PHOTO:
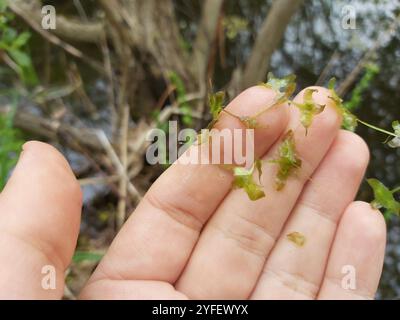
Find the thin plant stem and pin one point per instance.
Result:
(396, 190)
(377, 128)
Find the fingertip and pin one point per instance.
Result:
(43, 198)
(353, 149)
(256, 99)
(42, 151)
(367, 222)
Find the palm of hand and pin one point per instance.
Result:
(194, 237)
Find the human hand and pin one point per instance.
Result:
(192, 236)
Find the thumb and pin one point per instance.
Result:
(39, 224)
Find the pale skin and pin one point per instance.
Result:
(193, 237)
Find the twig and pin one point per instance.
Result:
(335, 56)
(97, 180)
(116, 162)
(121, 213)
(110, 92)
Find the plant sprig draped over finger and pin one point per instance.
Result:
(384, 198)
(216, 102)
(349, 121)
(308, 108)
(287, 160)
(395, 142)
(244, 179)
(284, 87)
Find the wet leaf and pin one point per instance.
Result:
(349, 121)
(283, 86)
(258, 167)
(244, 179)
(249, 122)
(384, 198)
(308, 108)
(395, 142)
(216, 102)
(297, 238)
(287, 160)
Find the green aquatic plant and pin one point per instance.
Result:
(384, 198)
(395, 142)
(287, 161)
(308, 109)
(244, 179)
(297, 238)
(371, 70)
(349, 121)
(216, 103)
(81, 256)
(284, 87)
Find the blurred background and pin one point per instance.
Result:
(112, 70)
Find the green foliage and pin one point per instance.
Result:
(234, 25)
(308, 108)
(244, 179)
(216, 104)
(283, 86)
(288, 161)
(81, 256)
(371, 70)
(395, 142)
(184, 107)
(384, 198)
(10, 146)
(14, 44)
(349, 119)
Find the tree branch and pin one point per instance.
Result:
(206, 35)
(267, 41)
(68, 29)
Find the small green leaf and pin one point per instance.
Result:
(81, 256)
(283, 86)
(349, 121)
(216, 102)
(384, 197)
(249, 122)
(395, 142)
(21, 40)
(308, 108)
(244, 179)
(288, 161)
(297, 238)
